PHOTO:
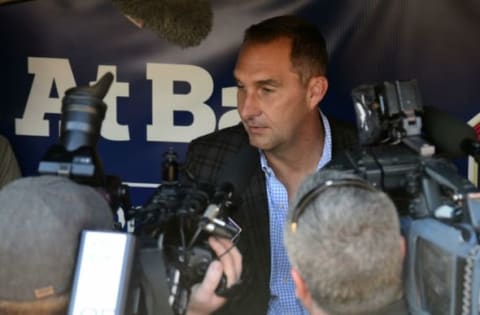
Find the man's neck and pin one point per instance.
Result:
(295, 161)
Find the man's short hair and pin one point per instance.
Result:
(309, 55)
(42, 218)
(347, 244)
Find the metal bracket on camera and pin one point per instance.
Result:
(419, 145)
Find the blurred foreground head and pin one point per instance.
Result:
(343, 239)
(41, 222)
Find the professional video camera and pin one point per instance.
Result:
(76, 155)
(179, 218)
(439, 209)
(152, 270)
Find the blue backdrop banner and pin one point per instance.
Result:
(164, 95)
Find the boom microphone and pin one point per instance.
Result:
(2, 2)
(182, 22)
(450, 135)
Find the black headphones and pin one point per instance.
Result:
(316, 191)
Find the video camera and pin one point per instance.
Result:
(152, 270)
(439, 209)
(76, 155)
(178, 219)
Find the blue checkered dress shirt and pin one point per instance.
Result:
(282, 288)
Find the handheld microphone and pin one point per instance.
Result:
(450, 135)
(231, 182)
(182, 22)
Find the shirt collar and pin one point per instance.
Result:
(326, 152)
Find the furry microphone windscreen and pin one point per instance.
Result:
(182, 22)
(2, 2)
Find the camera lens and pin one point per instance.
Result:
(82, 114)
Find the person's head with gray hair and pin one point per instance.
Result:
(344, 243)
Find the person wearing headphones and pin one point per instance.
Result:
(345, 246)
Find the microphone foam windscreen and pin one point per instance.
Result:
(447, 132)
(41, 221)
(182, 22)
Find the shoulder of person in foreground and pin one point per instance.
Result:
(9, 169)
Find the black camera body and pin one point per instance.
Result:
(179, 218)
(438, 208)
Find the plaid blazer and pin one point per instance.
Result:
(205, 157)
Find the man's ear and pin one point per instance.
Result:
(301, 289)
(317, 88)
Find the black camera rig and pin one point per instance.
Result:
(439, 209)
(168, 252)
(178, 219)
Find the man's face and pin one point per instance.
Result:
(272, 101)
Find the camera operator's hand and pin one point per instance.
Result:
(203, 299)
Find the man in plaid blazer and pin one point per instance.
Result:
(281, 78)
